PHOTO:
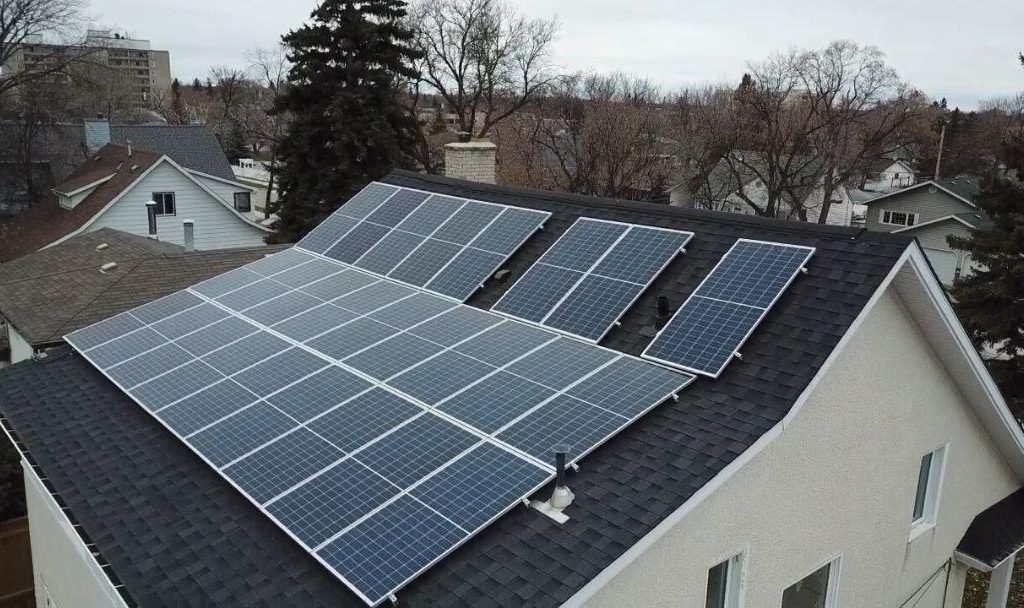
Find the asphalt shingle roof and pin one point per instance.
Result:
(176, 533)
(192, 146)
(997, 532)
(57, 290)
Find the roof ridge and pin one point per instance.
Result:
(806, 229)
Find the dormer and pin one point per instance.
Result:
(72, 192)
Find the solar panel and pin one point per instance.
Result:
(364, 415)
(714, 322)
(591, 276)
(448, 245)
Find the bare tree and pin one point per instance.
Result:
(268, 70)
(860, 107)
(483, 59)
(22, 20)
(595, 135)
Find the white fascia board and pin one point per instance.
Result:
(935, 221)
(229, 182)
(88, 186)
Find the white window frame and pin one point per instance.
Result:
(933, 492)
(912, 218)
(835, 569)
(735, 578)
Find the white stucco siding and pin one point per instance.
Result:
(840, 480)
(62, 567)
(216, 227)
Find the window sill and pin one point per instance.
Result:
(918, 529)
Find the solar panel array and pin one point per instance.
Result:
(379, 425)
(444, 244)
(591, 276)
(709, 328)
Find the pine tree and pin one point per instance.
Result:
(991, 301)
(348, 126)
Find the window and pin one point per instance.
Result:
(816, 590)
(899, 218)
(164, 203)
(926, 496)
(724, 583)
(243, 201)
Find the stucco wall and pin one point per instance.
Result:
(840, 480)
(61, 564)
(216, 227)
(929, 206)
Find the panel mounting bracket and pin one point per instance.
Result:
(393, 598)
(549, 511)
(738, 355)
(575, 467)
(803, 270)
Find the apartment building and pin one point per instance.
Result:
(147, 70)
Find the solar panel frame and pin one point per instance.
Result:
(591, 333)
(449, 344)
(461, 231)
(715, 373)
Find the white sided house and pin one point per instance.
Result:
(221, 210)
(895, 176)
(855, 453)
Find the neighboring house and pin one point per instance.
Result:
(857, 455)
(89, 277)
(720, 191)
(111, 189)
(892, 175)
(932, 211)
(254, 173)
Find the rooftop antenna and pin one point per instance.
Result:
(562, 496)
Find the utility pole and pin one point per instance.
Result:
(938, 158)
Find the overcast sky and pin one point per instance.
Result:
(964, 52)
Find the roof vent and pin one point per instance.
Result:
(562, 496)
(108, 267)
(134, 168)
(502, 275)
(664, 313)
(101, 246)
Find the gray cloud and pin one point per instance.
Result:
(964, 53)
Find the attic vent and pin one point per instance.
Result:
(101, 246)
(108, 267)
(932, 190)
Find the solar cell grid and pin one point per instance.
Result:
(391, 250)
(397, 207)
(240, 433)
(318, 393)
(392, 356)
(495, 401)
(327, 233)
(215, 336)
(356, 242)
(411, 311)
(421, 446)
(188, 321)
(124, 347)
(455, 325)
(366, 201)
(238, 355)
(565, 420)
(425, 262)
(506, 233)
(591, 276)
(279, 371)
(104, 331)
(436, 378)
(504, 343)
(429, 216)
(372, 297)
(206, 407)
(339, 284)
(282, 464)
(229, 281)
(331, 501)
(351, 338)
(480, 484)
(534, 295)
(172, 386)
(314, 322)
(281, 307)
(467, 222)
(278, 262)
(560, 363)
(466, 273)
(362, 419)
(252, 294)
(147, 365)
(390, 547)
(714, 322)
(308, 272)
(166, 306)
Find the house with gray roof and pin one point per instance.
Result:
(932, 211)
(87, 278)
(855, 453)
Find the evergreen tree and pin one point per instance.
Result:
(196, 84)
(991, 301)
(348, 126)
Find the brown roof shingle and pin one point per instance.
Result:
(46, 221)
(60, 289)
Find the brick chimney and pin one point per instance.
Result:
(472, 160)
